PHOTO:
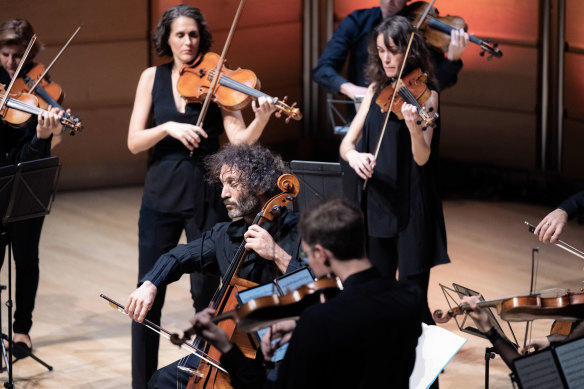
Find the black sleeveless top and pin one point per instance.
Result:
(175, 181)
(401, 198)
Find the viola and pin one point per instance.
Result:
(436, 29)
(526, 308)
(207, 375)
(264, 311)
(233, 91)
(19, 108)
(411, 89)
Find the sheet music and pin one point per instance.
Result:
(436, 347)
(538, 371)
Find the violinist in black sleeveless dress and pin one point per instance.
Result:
(405, 223)
(176, 195)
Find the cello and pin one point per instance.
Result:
(207, 375)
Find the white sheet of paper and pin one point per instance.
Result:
(436, 347)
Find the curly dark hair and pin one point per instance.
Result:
(398, 28)
(162, 32)
(19, 32)
(260, 167)
(337, 225)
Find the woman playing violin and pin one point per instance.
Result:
(176, 194)
(25, 143)
(405, 224)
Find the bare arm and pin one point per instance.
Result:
(362, 163)
(141, 138)
(235, 128)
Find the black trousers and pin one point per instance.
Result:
(25, 237)
(159, 233)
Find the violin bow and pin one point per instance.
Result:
(219, 66)
(560, 243)
(54, 60)
(167, 334)
(17, 72)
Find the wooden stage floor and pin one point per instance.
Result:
(89, 246)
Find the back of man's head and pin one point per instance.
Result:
(260, 167)
(337, 225)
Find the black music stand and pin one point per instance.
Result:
(318, 180)
(490, 352)
(26, 191)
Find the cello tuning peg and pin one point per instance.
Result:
(424, 128)
(431, 109)
(418, 122)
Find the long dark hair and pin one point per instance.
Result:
(162, 32)
(399, 29)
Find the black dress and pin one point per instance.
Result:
(401, 199)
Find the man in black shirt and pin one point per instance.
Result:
(362, 338)
(248, 175)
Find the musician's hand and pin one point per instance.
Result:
(458, 43)
(412, 117)
(49, 123)
(204, 326)
(140, 301)
(352, 91)
(260, 241)
(263, 108)
(277, 336)
(551, 226)
(535, 343)
(188, 134)
(361, 163)
(477, 313)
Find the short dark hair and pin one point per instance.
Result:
(19, 32)
(398, 28)
(337, 225)
(260, 167)
(162, 31)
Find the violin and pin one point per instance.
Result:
(436, 29)
(19, 108)
(234, 90)
(47, 92)
(412, 89)
(207, 375)
(264, 311)
(526, 308)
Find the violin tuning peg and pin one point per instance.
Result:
(287, 120)
(482, 53)
(488, 40)
(278, 114)
(495, 44)
(284, 99)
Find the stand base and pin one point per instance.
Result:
(31, 354)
